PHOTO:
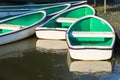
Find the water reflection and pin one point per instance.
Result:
(33, 59)
(87, 67)
(16, 48)
(33, 65)
(89, 70)
(53, 46)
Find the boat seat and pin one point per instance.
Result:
(11, 26)
(66, 20)
(92, 34)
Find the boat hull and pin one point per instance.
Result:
(50, 33)
(90, 54)
(17, 35)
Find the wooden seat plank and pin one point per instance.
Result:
(66, 20)
(92, 34)
(11, 26)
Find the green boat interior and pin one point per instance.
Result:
(55, 23)
(91, 25)
(20, 22)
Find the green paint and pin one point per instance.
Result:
(90, 24)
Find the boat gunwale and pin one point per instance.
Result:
(22, 29)
(91, 47)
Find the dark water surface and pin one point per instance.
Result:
(25, 60)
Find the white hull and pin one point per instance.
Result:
(17, 35)
(50, 33)
(90, 54)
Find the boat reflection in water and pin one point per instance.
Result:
(52, 46)
(15, 49)
(89, 70)
(27, 63)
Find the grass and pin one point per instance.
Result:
(112, 15)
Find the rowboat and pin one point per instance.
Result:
(90, 38)
(56, 27)
(20, 27)
(6, 11)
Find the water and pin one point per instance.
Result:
(32, 59)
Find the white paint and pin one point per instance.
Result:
(90, 54)
(50, 33)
